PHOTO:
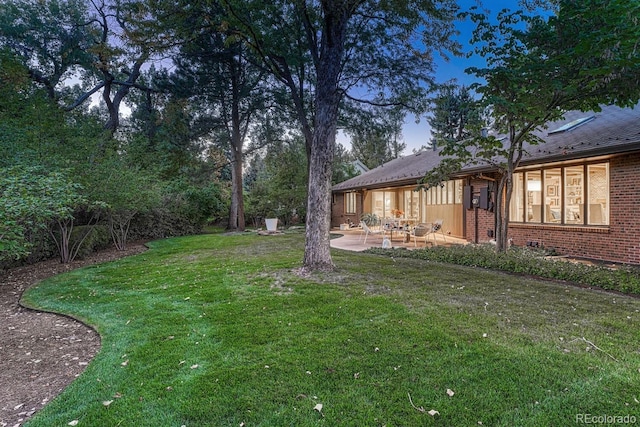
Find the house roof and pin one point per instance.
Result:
(613, 130)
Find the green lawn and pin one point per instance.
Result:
(219, 330)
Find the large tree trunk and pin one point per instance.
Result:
(236, 211)
(503, 198)
(317, 255)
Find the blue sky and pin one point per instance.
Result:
(416, 135)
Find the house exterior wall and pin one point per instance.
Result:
(478, 222)
(338, 214)
(450, 213)
(617, 242)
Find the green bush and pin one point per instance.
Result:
(621, 278)
(183, 210)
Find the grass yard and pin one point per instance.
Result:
(218, 330)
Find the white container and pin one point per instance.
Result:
(272, 224)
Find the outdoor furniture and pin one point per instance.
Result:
(421, 231)
(366, 230)
(436, 227)
(390, 225)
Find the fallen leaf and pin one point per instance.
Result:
(73, 423)
(450, 392)
(433, 413)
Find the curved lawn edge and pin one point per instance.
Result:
(51, 348)
(220, 330)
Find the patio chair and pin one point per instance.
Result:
(366, 230)
(436, 227)
(421, 232)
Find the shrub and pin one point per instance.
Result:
(184, 209)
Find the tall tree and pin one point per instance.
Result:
(53, 38)
(376, 135)
(456, 115)
(341, 49)
(583, 55)
(225, 90)
(76, 49)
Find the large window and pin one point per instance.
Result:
(411, 204)
(553, 195)
(383, 203)
(350, 203)
(558, 195)
(598, 194)
(534, 196)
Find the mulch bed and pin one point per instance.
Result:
(41, 353)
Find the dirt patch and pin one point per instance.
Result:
(41, 353)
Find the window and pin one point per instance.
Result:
(534, 196)
(557, 195)
(598, 194)
(411, 204)
(383, 203)
(350, 203)
(572, 125)
(516, 210)
(574, 195)
(459, 191)
(449, 193)
(552, 195)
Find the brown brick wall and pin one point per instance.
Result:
(485, 218)
(338, 215)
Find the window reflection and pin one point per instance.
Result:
(534, 196)
(557, 195)
(598, 210)
(574, 199)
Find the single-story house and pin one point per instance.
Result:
(579, 192)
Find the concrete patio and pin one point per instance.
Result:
(353, 240)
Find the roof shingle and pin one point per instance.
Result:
(613, 130)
